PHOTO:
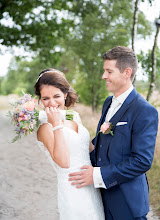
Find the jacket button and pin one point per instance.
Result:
(100, 145)
(100, 159)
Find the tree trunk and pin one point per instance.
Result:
(135, 20)
(134, 29)
(153, 73)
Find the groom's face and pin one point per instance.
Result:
(116, 81)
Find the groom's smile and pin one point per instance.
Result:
(116, 81)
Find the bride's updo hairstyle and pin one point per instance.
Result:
(56, 78)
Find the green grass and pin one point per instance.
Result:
(154, 184)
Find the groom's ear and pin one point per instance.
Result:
(128, 72)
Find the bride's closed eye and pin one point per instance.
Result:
(56, 96)
(44, 98)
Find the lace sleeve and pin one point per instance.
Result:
(77, 118)
(43, 118)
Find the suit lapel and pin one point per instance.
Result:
(116, 118)
(119, 114)
(104, 112)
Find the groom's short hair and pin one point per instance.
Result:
(125, 58)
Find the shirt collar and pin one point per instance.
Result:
(121, 98)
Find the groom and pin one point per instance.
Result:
(121, 161)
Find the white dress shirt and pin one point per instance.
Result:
(114, 107)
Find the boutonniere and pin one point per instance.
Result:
(106, 128)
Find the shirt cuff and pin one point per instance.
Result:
(97, 178)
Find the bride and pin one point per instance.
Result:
(66, 144)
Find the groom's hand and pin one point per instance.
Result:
(82, 178)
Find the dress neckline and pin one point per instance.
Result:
(72, 129)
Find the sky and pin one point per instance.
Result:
(150, 12)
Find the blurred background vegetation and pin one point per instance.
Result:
(72, 37)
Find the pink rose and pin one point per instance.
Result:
(20, 119)
(21, 114)
(29, 106)
(26, 117)
(104, 127)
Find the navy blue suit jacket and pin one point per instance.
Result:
(125, 157)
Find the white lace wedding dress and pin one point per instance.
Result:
(75, 204)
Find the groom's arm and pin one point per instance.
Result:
(143, 145)
(97, 177)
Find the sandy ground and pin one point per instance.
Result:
(27, 180)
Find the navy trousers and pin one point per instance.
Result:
(120, 209)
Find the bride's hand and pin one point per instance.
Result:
(54, 116)
(91, 147)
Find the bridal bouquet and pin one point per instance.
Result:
(24, 116)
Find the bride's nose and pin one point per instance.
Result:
(52, 103)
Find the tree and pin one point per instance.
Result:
(75, 41)
(21, 76)
(38, 26)
(153, 72)
(98, 29)
(135, 24)
(1, 83)
(146, 63)
(135, 21)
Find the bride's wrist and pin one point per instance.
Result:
(57, 127)
(57, 123)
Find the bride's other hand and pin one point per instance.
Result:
(91, 147)
(54, 116)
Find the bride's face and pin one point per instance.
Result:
(52, 97)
